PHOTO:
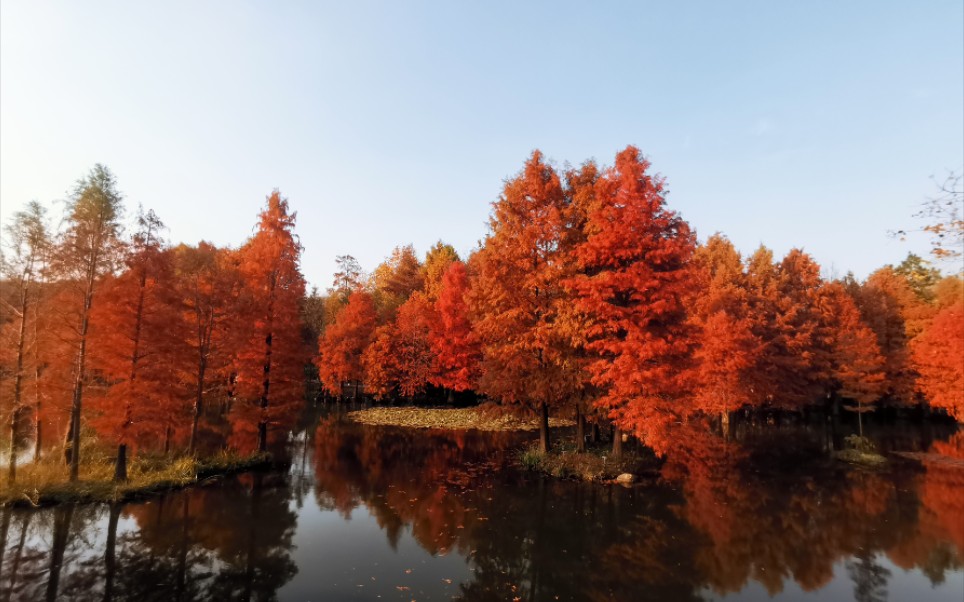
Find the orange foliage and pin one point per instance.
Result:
(857, 365)
(634, 266)
(726, 349)
(518, 296)
(271, 355)
(456, 347)
(793, 366)
(340, 348)
(134, 337)
(939, 356)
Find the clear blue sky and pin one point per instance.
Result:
(811, 124)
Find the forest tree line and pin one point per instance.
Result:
(587, 296)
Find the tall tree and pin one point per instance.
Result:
(518, 295)
(727, 349)
(341, 347)
(207, 281)
(271, 358)
(412, 346)
(938, 354)
(793, 366)
(635, 275)
(131, 331)
(27, 243)
(884, 301)
(88, 249)
(456, 347)
(857, 366)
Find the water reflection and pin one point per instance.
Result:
(367, 512)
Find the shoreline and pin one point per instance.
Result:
(178, 473)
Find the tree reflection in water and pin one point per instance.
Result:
(725, 514)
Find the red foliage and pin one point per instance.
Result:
(635, 275)
(456, 347)
(939, 357)
(340, 348)
(271, 354)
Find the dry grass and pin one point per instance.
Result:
(450, 418)
(46, 482)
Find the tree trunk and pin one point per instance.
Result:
(596, 435)
(617, 442)
(15, 570)
(17, 389)
(450, 397)
(266, 384)
(168, 432)
(62, 519)
(109, 552)
(725, 423)
(544, 443)
(198, 404)
(860, 419)
(79, 377)
(120, 468)
(580, 431)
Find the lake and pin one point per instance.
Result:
(379, 513)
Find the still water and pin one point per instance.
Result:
(372, 513)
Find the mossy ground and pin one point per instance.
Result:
(596, 464)
(46, 482)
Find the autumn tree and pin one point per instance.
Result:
(437, 262)
(341, 347)
(271, 357)
(938, 354)
(87, 250)
(27, 243)
(792, 369)
(635, 275)
(889, 306)
(519, 295)
(206, 284)
(413, 350)
(857, 366)
(132, 330)
(726, 350)
(454, 342)
(395, 279)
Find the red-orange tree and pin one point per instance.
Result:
(857, 367)
(727, 349)
(518, 295)
(792, 369)
(635, 275)
(133, 332)
(340, 348)
(939, 358)
(206, 283)
(271, 354)
(454, 343)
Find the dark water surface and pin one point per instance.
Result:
(371, 513)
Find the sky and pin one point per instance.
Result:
(792, 124)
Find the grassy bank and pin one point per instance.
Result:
(46, 482)
(596, 464)
(451, 418)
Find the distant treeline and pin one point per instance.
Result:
(587, 296)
